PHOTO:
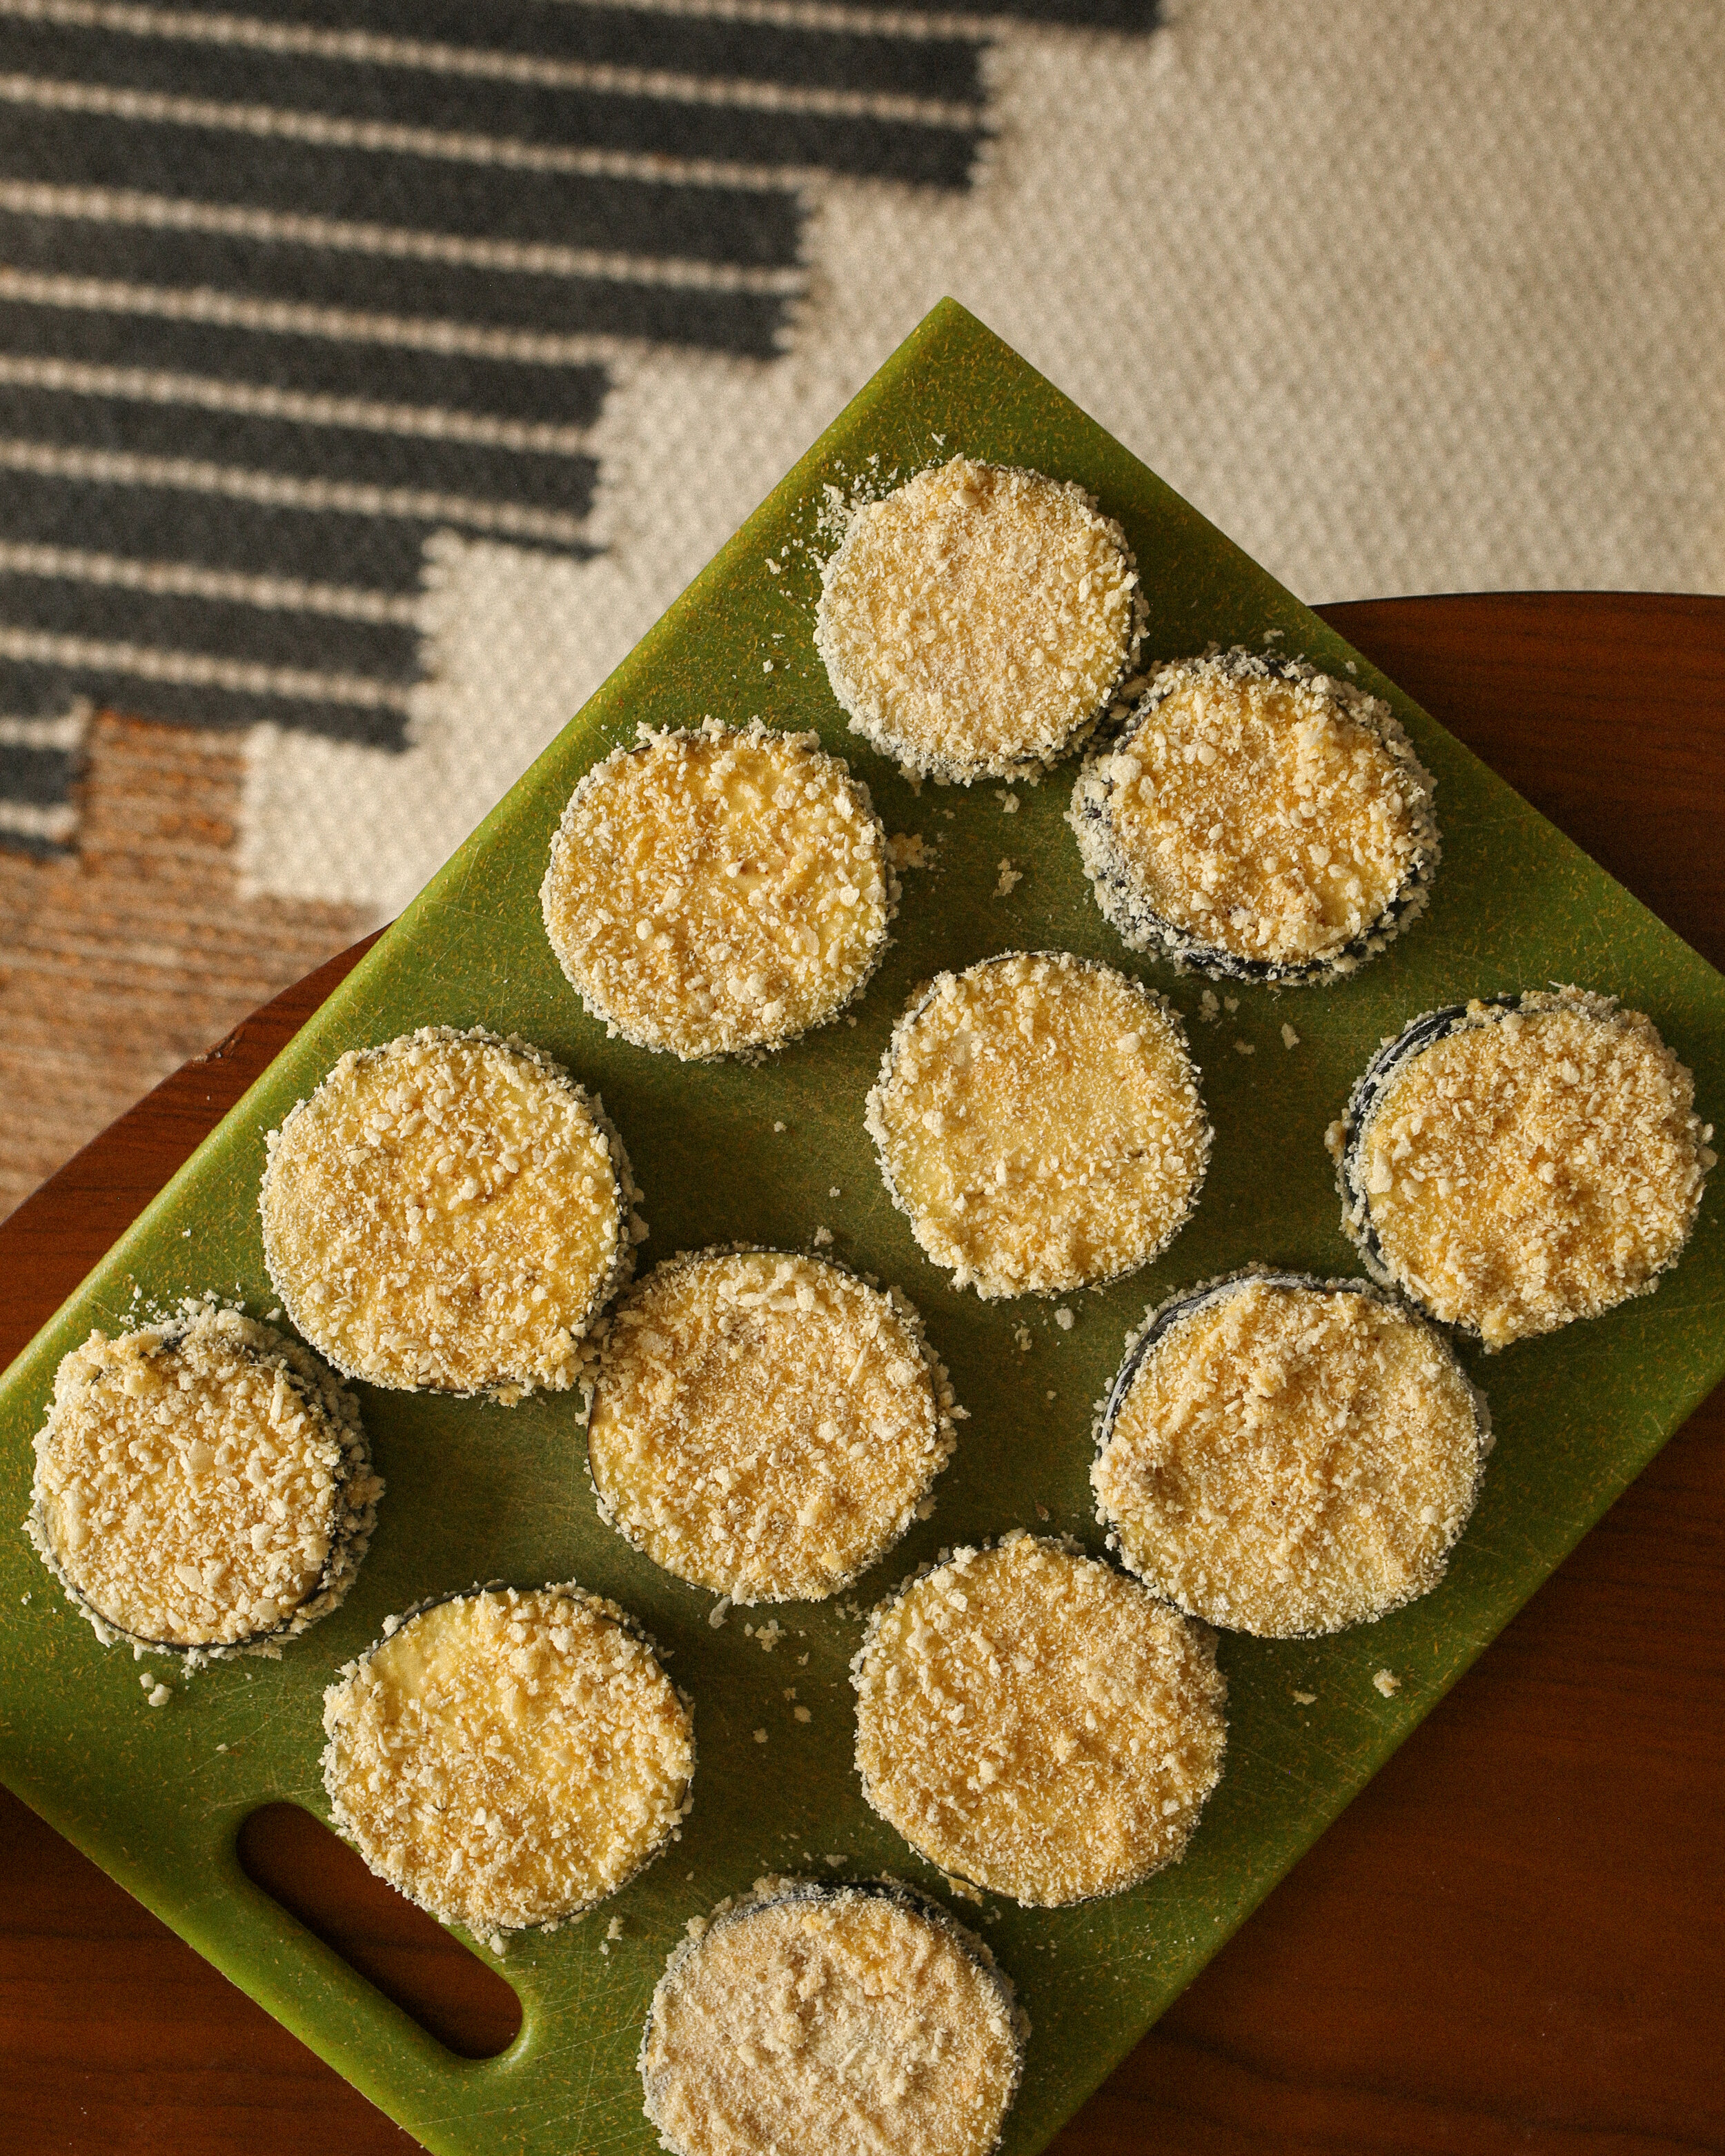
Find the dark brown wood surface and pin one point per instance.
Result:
(1514, 1940)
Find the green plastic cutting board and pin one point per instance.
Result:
(477, 1491)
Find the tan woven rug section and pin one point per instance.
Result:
(120, 961)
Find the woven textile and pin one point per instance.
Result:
(373, 372)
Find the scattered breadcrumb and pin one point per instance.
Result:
(910, 849)
(760, 1736)
(1305, 1699)
(1388, 1682)
(1243, 1048)
(1009, 881)
(1064, 1319)
(822, 1237)
(1290, 1038)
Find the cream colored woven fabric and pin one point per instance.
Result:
(1405, 298)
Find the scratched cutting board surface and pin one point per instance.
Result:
(477, 1491)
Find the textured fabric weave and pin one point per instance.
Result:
(372, 373)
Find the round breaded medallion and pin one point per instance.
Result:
(1257, 820)
(975, 622)
(1037, 1117)
(858, 2019)
(1037, 1722)
(506, 1759)
(763, 1424)
(718, 888)
(1514, 1164)
(448, 1213)
(1288, 1457)
(202, 1485)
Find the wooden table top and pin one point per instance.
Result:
(1513, 1939)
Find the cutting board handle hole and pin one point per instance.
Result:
(406, 1954)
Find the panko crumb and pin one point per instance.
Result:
(203, 1486)
(976, 621)
(450, 1213)
(1008, 880)
(766, 1424)
(1038, 1723)
(811, 2015)
(506, 1760)
(1515, 1165)
(719, 890)
(1258, 818)
(1287, 1456)
(1388, 1682)
(1038, 1118)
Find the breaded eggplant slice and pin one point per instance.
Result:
(1038, 1118)
(858, 2019)
(719, 889)
(1033, 1720)
(203, 1486)
(1287, 1456)
(1257, 820)
(448, 1213)
(976, 622)
(1514, 1163)
(508, 1757)
(765, 1425)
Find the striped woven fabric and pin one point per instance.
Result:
(284, 291)
(373, 372)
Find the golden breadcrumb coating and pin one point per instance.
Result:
(1034, 1721)
(1527, 1165)
(506, 1759)
(1287, 1457)
(830, 2018)
(448, 1213)
(203, 1484)
(975, 622)
(765, 1426)
(719, 889)
(1039, 1120)
(1257, 817)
